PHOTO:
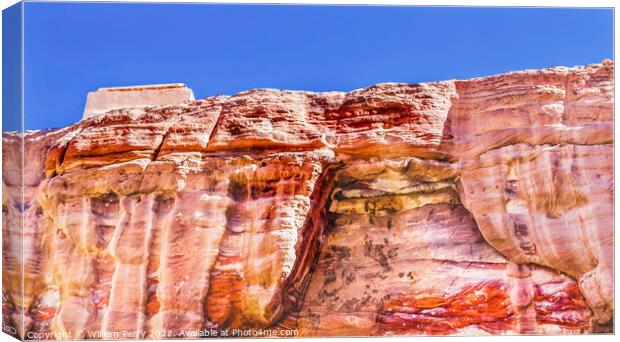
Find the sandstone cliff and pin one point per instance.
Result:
(457, 207)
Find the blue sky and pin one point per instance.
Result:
(71, 49)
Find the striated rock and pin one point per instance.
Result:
(403, 256)
(550, 207)
(482, 206)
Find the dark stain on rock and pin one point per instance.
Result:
(105, 205)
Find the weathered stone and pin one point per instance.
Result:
(482, 206)
(106, 99)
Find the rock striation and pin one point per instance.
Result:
(482, 206)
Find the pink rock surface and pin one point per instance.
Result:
(106, 99)
(481, 206)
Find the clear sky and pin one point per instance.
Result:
(71, 49)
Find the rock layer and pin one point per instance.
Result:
(457, 207)
(404, 256)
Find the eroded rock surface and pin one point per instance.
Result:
(482, 206)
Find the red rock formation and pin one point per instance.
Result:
(458, 207)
